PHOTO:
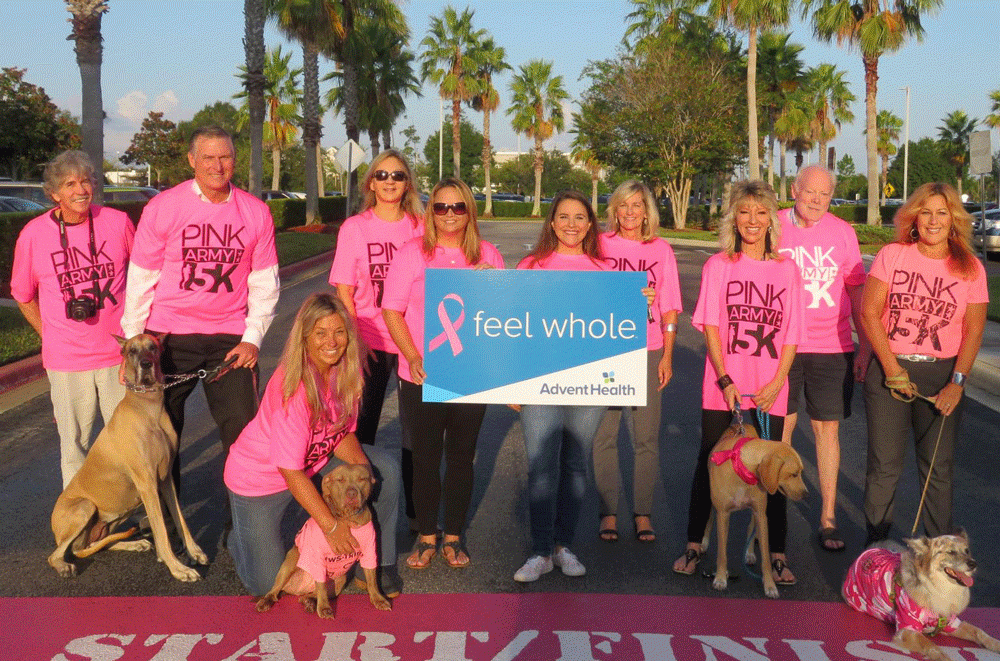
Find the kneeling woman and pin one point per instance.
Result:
(305, 427)
(749, 355)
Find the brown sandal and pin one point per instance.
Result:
(456, 547)
(690, 555)
(419, 549)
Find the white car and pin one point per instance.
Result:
(992, 231)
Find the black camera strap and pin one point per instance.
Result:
(64, 242)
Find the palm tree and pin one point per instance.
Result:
(954, 138)
(649, 16)
(993, 119)
(830, 95)
(89, 50)
(449, 42)
(537, 112)
(874, 30)
(779, 74)
(792, 131)
(254, 18)
(888, 125)
(491, 60)
(752, 17)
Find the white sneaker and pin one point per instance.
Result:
(533, 569)
(569, 563)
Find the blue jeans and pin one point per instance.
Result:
(558, 442)
(256, 543)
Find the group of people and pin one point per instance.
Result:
(775, 307)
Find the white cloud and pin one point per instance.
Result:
(165, 102)
(132, 106)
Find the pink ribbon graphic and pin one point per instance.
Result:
(450, 328)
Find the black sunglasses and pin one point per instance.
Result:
(382, 175)
(440, 208)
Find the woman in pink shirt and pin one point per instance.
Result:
(450, 240)
(303, 428)
(750, 310)
(923, 310)
(630, 244)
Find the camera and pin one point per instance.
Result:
(81, 308)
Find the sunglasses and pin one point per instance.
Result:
(440, 208)
(382, 175)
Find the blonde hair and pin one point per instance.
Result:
(548, 242)
(626, 190)
(961, 259)
(471, 240)
(346, 379)
(750, 191)
(410, 202)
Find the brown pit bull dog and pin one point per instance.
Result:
(742, 470)
(310, 564)
(127, 467)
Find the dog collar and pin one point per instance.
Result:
(897, 587)
(137, 388)
(739, 467)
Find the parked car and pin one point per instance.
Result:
(508, 197)
(8, 203)
(275, 195)
(128, 193)
(992, 232)
(26, 190)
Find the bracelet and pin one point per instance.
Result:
(330, 531)
(724, 382)
(670, 328)
(958, 378)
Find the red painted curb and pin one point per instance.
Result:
(14, 375)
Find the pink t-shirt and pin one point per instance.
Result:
(869, 588)
(319, 561)
(829, 258)
(926, 304)
(656, 258)
(366, 245)
(280, 436)
(44, 270)
(404, 287)
(560, 262)
(204, 253)
(757, 307)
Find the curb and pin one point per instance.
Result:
(14, 375)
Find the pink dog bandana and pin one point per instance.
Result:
(739, 467)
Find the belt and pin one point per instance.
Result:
(917, 357)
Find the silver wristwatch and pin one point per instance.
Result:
(958, 378)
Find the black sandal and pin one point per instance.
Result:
(646, 535)
(609, 535)
(779, 566)
(690, 555)
(456, 546)
(419, 549)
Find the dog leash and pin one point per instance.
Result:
(763, 420)
(927, 481)
(210, 375)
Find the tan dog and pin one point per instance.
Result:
(772, 466)
(346, 490)
(127, 467)
(923, 589)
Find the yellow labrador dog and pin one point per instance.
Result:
(742, 470)
(127, 467)
(922, 589)
(310, 565)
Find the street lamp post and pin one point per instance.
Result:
(906, 145)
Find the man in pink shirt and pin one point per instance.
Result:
(826, 251)
(204, 272)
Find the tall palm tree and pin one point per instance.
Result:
(780, 73)
(536, 109)
(89, 49)
(888, 126)
(582, 149)
(792, 131)
(254, 18)
(752, 17)
(490, 60)
(954, 138)
(831, 100)
(873, 29)
(649, 16)
(993, 119)
(449, 43)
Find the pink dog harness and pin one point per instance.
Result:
(739, 467)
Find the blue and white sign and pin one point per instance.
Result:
(535, 337)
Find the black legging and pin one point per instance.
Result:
(713, 425)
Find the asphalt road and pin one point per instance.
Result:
(497, 536)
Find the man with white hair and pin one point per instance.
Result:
(826, 251)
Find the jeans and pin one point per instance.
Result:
(256, 543)
(558, 442)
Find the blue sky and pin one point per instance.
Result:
(176, 56)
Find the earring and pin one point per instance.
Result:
(914, 234)
(952, 233)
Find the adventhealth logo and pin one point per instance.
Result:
(623, 389)
(609, 377)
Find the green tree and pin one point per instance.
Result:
(411, 142)
(927, 163)
(490, 60)
(845, 166)
(954, 136)
(89, 48)
(831, 100)
(254, 18)
(780, 73)
(752, 17)
(888, 125)
(536, 111)
(32, 129)
(874, 28)
(518, 174)
(650, 17)
(792, 131)
(157, 144)
(471, 145)
(446, 62)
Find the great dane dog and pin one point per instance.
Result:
(128, 466)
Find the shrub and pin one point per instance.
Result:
(292, 212)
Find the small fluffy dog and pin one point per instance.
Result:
(923, 589)
(742, 470)
(311, 563)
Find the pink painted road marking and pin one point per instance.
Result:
(447, 627)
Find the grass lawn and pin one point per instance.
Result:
(993, 312)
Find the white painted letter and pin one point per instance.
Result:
(95, 651)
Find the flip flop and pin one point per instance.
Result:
(779, 565)
(830, 535)
(418, 552)
(690, 555)
(455, 546)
